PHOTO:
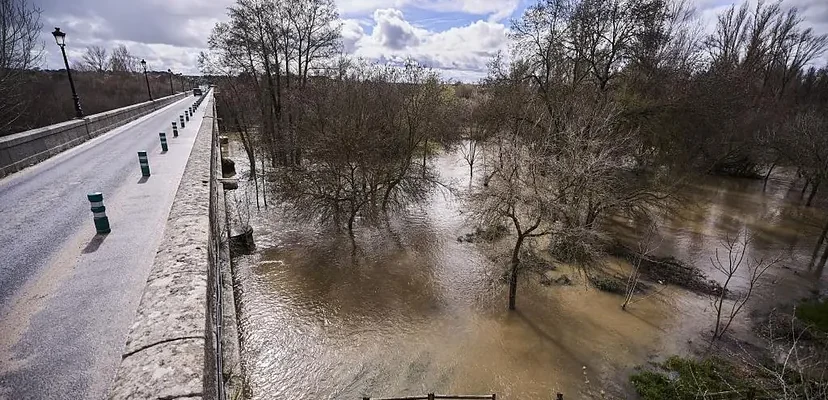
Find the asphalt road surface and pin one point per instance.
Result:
(67, 295)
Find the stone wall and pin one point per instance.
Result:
(27, 148)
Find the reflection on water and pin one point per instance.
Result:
(406, 309)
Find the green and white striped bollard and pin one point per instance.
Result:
(99, 212)
(181, 120)
(175, 129)
(163, 137)
(144, 162)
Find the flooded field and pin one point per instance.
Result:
(406, 309)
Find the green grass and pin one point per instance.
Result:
(687, 379)
(814, 313)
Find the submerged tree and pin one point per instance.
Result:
(734, 263)
(518, 193)
(567, 153)
(365, 138)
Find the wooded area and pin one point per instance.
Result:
(51, 99)
(601, 108)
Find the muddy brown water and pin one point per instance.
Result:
(406, 309)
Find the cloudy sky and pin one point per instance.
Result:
(457, 37)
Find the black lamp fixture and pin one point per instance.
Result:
(172, 91)
(144, 66)
(60, 39)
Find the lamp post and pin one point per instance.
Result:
(60, 39)
(172, 91)
(144, 65)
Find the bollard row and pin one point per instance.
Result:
(96, 199)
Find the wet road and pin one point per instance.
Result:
(67, 295)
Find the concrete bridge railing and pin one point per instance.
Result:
(30, 147)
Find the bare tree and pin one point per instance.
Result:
(646, 246)
(121, 60)
(20, 50)
(314, 28)
(361, 136)
(734, 265)
(518, 193)
(805, 144)
(95, 58)
(473, 120)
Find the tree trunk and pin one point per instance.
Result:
(814, 189)
(804, 188)
(818, 246)
(767, 175)
(425, 153)
(821, 266)
(351, 217)
(251, 159)
(513, 276)
(264, 183)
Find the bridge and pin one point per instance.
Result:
(135, 312)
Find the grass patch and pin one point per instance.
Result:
(688, 379)
(814, 313)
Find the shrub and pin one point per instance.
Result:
(814, 313)
(688, 379)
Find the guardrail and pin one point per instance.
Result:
(30, 147)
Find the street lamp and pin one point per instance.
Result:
(60, 39)
(172, 91)
(144, 65)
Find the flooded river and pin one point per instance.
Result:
(410, 310)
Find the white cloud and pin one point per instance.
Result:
(351, 33)
(465, 51)
(496, 9)
(394, 32)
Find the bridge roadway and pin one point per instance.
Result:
(67, 295)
